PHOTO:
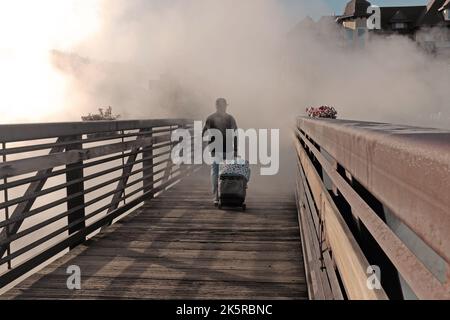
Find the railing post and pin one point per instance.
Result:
(147, 152)
(75, 173)
(8, 248)
(185, 166)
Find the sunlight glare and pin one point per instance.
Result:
(31, 89)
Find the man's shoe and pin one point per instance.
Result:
(216, 203)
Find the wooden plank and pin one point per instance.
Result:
(208, 205)
(184, 253)
(424, 284)
(210, 265)
(326, 270)
(247, 246)
(348, 256)
(315, 290)
(158, 271)
(182, 224)
(406, 168)
(204, 215)
(316, 253)
(150, 253)
(95, 287)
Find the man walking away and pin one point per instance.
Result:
(221, 121)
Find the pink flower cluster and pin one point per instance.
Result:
(321, 112)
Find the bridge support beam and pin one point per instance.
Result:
(148, 165)
(76, 218)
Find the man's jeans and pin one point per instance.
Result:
(215, 180)
(219, 158)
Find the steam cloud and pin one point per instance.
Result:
(150, 59)
(195, 51)
(160, 58)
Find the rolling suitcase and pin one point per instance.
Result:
(233, 179)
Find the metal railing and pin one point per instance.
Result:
(62, 182)
(370, 196)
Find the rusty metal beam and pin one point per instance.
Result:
(405, 168)
(22, 132)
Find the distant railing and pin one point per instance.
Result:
(62, 182)
(370, 196)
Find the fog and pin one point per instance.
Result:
(153, 59)
(190, 53)
(173, 58)
(157, 58)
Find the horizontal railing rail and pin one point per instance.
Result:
(32, 131)
(375, 194)
(61, 183)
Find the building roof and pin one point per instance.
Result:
(409, 15)
(445, 6)
(356, 8)
(414, 16)
(400, 16)
(431, 16)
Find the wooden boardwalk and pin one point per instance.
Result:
(178, 246)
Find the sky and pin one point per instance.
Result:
(318, 8)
